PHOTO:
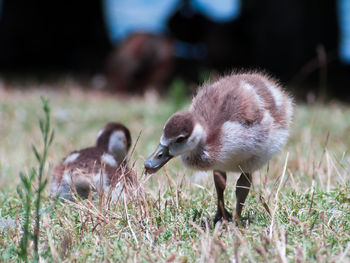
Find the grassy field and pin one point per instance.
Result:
(309, 204)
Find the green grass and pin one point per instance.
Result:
(310, 203)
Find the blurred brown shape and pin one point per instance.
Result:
(142, 61)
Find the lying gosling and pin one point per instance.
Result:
(102, 167)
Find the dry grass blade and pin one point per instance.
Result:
(277, 195)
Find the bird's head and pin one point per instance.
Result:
(181, 134)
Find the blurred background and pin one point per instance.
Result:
(137, 45)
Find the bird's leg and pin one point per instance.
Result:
(242, 190)
(220, 185)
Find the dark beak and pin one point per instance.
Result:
(157, 159)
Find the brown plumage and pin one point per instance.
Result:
(180, 123)
(102, 167)
(228, 99)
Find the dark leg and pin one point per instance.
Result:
(220, 185)
(242, 191)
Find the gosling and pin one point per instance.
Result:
(235, 124)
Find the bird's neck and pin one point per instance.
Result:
(198, 158)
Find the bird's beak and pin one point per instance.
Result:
(157, 159)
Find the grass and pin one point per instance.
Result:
(28, 194)
(309, 202)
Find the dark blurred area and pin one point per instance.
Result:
(297, 41)
(44, 36)
(141, 61)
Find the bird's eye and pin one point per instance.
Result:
(180, 139)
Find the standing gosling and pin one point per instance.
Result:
(234, 124)
(102, 167)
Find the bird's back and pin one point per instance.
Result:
(242, 98)
(246, 117)
(89, 165)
